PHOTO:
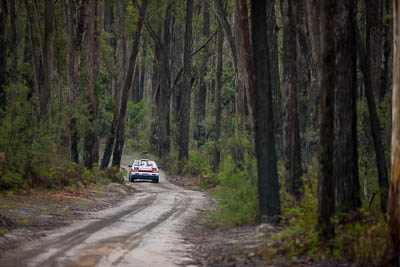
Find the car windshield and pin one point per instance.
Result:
(143, 163)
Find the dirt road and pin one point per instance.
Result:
(142, 231)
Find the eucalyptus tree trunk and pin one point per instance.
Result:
(387, 48)
(375, 19)
(347, 186)
(14, 61)
(121, 62)
(45, 91)
(235, 43)
(184, 110)
(363, 59)
(3, 54)
(393, 240)
(313, 21)
(200, 103)
(75, 28)
(90, 137)
(218, 108)
(127, 87)
(259, 99)
(291, 131)
(275, 76)
(326, 182)
(303, 69)
(142, 70)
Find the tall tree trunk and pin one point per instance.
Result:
(387, 48)
(240, 91)
(303, 68)
(315, 83)
(200, 103)
(375, 19)
(120, 134)
(218, 108)
(259, 99)
(184, 110)
(45, 92)
(117, 89)
(363, 60)
(347, 183)
(142, 71)
(37, 67)
(90, 137)
(235, 44)
(291, 132)
(135, 87)
(14, 63)
(75, 30)
(3, 53)
(275, 76)
(165, 86)
(393, 236)
(326, 183)
(162, 87)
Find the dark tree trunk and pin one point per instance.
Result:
(142, 71)
(393, 235)
(117, 89)
(241, 85)
(135, 87)
(37, 69)
(218, 108)
(363, 60)
(235, 44)
(315, 79)
(14, 52)
(45, 92)
(75, 30)
(326, 183)
(222, 17)
(164, 99)
(109, 19)
(200, 103)
(303, 68)
(374, 19)
(184, 110)
(14, 62)
(90, 137)
(120, 134)
(275, 77)
(259, 99)
(291, 133)
(387, 48)
(162, 87)
(347, 183)
(3, 53)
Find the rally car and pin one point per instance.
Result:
(144, 169)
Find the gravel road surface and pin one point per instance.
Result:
(142, 231)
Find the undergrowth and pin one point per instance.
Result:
(359, 235)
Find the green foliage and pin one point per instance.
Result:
(236, 194)
(198, 164)
(10, 180)
(360, 235)
(134, 126)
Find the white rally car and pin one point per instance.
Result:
(144, 169)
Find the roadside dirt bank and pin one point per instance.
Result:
(30, 215)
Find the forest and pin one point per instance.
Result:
(285, 111)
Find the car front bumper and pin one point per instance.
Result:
(144, 175)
